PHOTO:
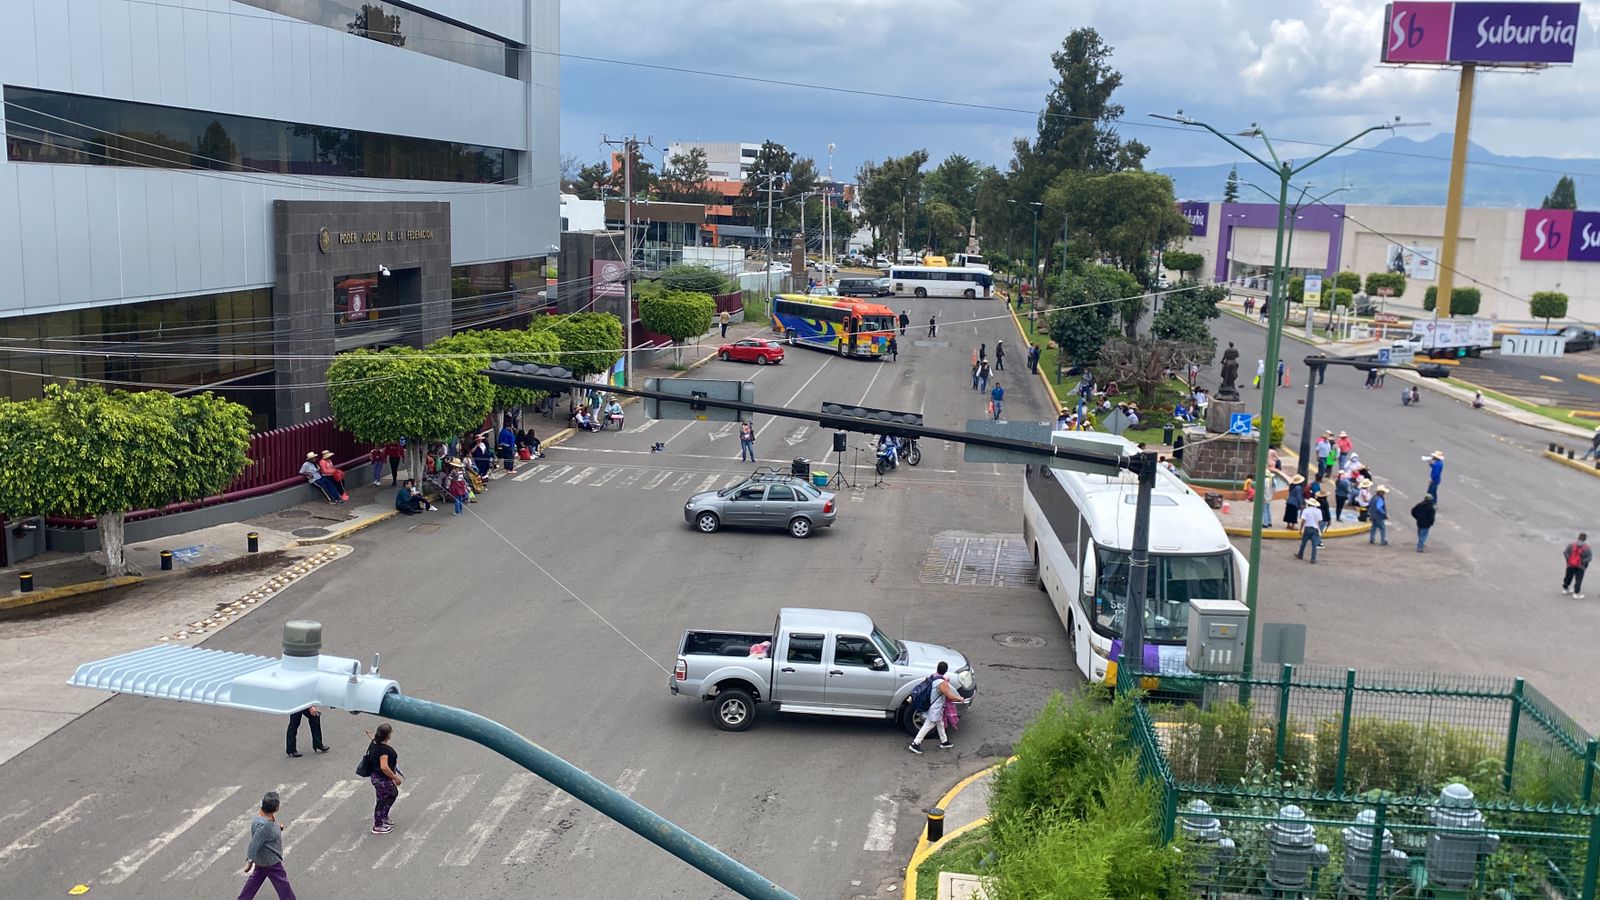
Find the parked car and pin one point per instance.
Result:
(764, 500)
(883, 288)
(1578, 338)
(756, 350)
(881, 262)
(858, 287)
(820, 662)
(822, 290)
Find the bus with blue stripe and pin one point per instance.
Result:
(842, 325)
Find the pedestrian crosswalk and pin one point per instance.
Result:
(445, 821)
(644, 478)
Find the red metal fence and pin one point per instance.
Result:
(275, 458)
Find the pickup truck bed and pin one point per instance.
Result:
(720, 643)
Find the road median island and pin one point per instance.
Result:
(965, 808)
(1580, 465)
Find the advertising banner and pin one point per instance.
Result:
(1197, 214)
(1313, 290)
(1416, 261)
(1546, 233)
(1585, 237)
(1506, 34)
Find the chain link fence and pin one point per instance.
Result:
(1345, 784)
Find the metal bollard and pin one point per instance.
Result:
(252, 542)
(935, 824)
(25, 581)
(166, 560)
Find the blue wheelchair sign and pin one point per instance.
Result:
(1239, 423)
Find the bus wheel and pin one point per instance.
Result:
(970, 294)
(920, 292)
(789, 336)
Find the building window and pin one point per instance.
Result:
(48, 127)
(400, 26)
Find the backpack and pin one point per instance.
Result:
(922, 695)
(364, 768)
(1575, 556)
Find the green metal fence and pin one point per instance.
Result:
(1287, 796)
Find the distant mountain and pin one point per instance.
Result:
(1404, 172)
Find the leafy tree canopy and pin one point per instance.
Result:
(701, 279)
(402, 393)
(1393, 281)
(888, 193)
(495, 343)
(1182, 261)
(1230, 188)
(1547, 305)
(1563, 196)
(591, 343)
(679, 315)
(1464, 301)
(1124, 215)
(684, 177)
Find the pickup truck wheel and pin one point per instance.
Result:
(733, 709)
(707, 522)
(911, 720)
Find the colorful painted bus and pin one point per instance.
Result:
(844, 325)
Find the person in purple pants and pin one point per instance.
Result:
(386, 777)
(264, 855)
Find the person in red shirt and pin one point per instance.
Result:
(393, 451)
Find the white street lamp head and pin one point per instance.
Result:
(383, 270)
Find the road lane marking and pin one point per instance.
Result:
(790, 402)
(680, 432)
(411, 839)
(656, 481)
(863, 400)
(362, 833)
(797, 436)
(218, 845)
(478, 832)
(706, 485)
(317, 813)
(880, 828)
(524, 476)
(555, 474)
(626, 785)
(634, 478)
(587, 471)
(535, 837)
(735, 480)
(722, 432)
(129, 864)
(56, 824)
(638, 428)
(682, 480)
(598, 482)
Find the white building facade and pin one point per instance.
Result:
(236, 182)
(728, 160)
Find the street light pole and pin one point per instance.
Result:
(1275, 316)
(827, 219)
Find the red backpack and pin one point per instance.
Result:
(1575, 555)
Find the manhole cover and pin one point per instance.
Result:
(309, 532)
(1019, 639)
(423, 529)
(988, 560)
(293, 513)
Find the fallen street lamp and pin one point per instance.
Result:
(304, 677)
(1285, 170)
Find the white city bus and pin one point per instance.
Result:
(941, 281)
(1079, 528)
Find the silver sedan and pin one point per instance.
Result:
(763, 501)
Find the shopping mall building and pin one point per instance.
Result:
(1508, 254)
(222, 195)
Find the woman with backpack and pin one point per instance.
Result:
(940, 694)
(381, 766)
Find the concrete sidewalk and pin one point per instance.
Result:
(966, 807)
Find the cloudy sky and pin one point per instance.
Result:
(1301, 68)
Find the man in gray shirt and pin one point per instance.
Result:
(265, 853)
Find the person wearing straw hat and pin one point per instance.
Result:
(1321, 453)
(458, 484)
(315, 478)
(1294, 502)
(1435, 463)
(1378, 514)
(1345, 445)
(1310, 531)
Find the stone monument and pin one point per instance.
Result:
(1211, 453)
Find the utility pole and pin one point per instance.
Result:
(771, 177)
(827, 219)
(630, 148)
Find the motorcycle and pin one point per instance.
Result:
(886, 459)
(909, 451)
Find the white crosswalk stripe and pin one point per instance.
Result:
(626, 784)
(601, 481)
(706, 485)
(682, 480)
(57, 823)
(587, 471)
(318, 812)
(632, 479)
(530, 472)
(478, 832)
(656, 481)
(534, 838)
(350, 844)
(555, 474)
(412, 839)
(218, 845)
(129, 864)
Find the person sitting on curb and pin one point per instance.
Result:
(409, 502)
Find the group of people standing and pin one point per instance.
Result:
(1306, 504)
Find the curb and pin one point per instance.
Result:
(1055, 402)
(1284, 534)
(48, 595)
(925, 849)
(1585, 376)
(1573, 463)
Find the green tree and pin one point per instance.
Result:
(591, 343)
(1394, 281)
(684, 177)
(772, 159)
(1230, 188)
(1349, 281)
(1297, 289)
(1143, 364)
(1547, 305)
(1464, 301)
(1124, 215)
(680, 315)
(701, 279)
(1183, 261)
(889, 195)
(1184, 315)
(1080, 333)
(401, 393)
(592, 181)
(1563, 196)
(497, 343)
(87, 451)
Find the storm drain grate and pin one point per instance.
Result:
(987, 560)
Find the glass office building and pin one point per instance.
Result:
(223, 196)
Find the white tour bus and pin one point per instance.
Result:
(970, 261)
(941, 281)
(1079, 528)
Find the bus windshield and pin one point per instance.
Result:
(1173, 582)
(877, 323)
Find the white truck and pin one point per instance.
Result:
(820, 662)
(1452, 337)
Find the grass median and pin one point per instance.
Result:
(968, 853)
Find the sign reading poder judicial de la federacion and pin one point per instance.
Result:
(1489, 34)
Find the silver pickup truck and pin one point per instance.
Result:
(820, 662)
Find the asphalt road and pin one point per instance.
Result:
(555, 606)
(1549, 381)
(1485, 597)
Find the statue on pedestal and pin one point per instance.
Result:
(1229, 389)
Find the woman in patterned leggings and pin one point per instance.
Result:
(386, 778)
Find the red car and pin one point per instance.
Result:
(760, 352)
